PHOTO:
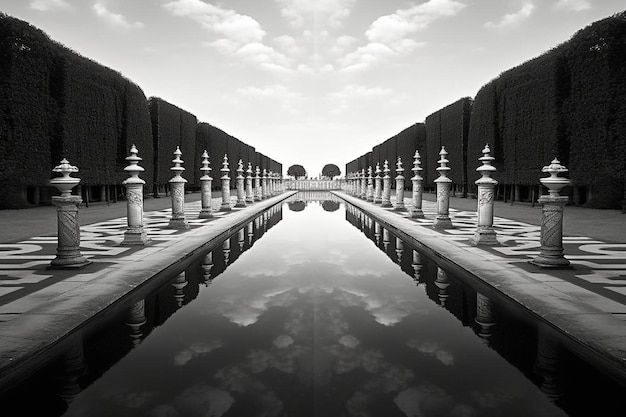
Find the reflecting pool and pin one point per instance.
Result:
(315, 309)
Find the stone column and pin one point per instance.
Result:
(378, 189)
(416, 263)
(177, 190)
(399, 187)
(386, 197)
(442, 282)
(68, 224)
(257, 185)
(485, 233)
(264, 185)
(135, 234)
(135, 319)
(551, 252)
(442, 220)
(206, 183)
(484, 317)
(225, 185)
(370, 185)
(417, 187)
(241, 193)
(249, 179)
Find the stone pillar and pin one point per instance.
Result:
(399, 187)
(442, 282)
(207, 266)
(370, 185)
(177, 190)
(551, 252)
(417, 187)
(68, 224)
(442, 220)
(241, 193)
(179, 283)
(135, 234)
(264, 185)
(135, 319)
(386, 197)
(206, 183)
(416, 263)
(225, 185)
(378, 189)
(249, 179)
(257, 185)
(485, 233)
(399, 250)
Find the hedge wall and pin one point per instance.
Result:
(172, 127)
(410, 139)
(594, 109)
(28, 108)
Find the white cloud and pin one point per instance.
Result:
(115, 19)
(45, 5)
(513, 19)
(289, 100)
(240, 35)
(287, 43)
(343, 100)
(575, 5)
(391, 34)
(316, 13)
(397, 26)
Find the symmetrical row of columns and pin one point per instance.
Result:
(373, 187)
(250, 188)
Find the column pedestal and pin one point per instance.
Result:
(68, 249)
(135, 233)
(551, 252)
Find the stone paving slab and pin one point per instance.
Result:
(587, 303)
(39, 307)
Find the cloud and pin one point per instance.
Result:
(342, 100)
(115, 19)
(513, 19)
(391, 34)
(45, 5)
(290, 100)
(397, 26)
(316, 13)
(239, 35)
(575, 5)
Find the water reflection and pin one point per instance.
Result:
(317, 321)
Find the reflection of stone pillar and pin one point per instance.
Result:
(135, 234)
(485, 233)
(399, 186)
(206, 197)
(179, 283)
(72, 367)
(442, 220)
(68, 224)
(177, 190)
(548, 366)
(257, 185)
(551, 252)
(386, 197)
(241, 193)
(484, 316)
(442, 282)
(370, 185)
(399, 249)
(207, 266)
(377, 230)
(378, 189)
(225, 185)
(386, 239)
(250, 233)
(264, 185)
(135, 319)
(241, 238)
(226, 250)
(417, 187)
(363, 190)
(416, 263)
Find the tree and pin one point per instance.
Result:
(331, 171)
(296, 171)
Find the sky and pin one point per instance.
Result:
(311, 82)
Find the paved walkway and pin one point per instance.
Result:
(591, 296)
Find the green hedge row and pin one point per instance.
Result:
(55, 103)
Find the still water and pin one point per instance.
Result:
(315, 309)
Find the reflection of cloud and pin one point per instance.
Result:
(432, 349)
(196, 349)
(198, 400)
(431, 400)
(349, 341)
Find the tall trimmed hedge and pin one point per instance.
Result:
(172, 127)
(410, 139)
